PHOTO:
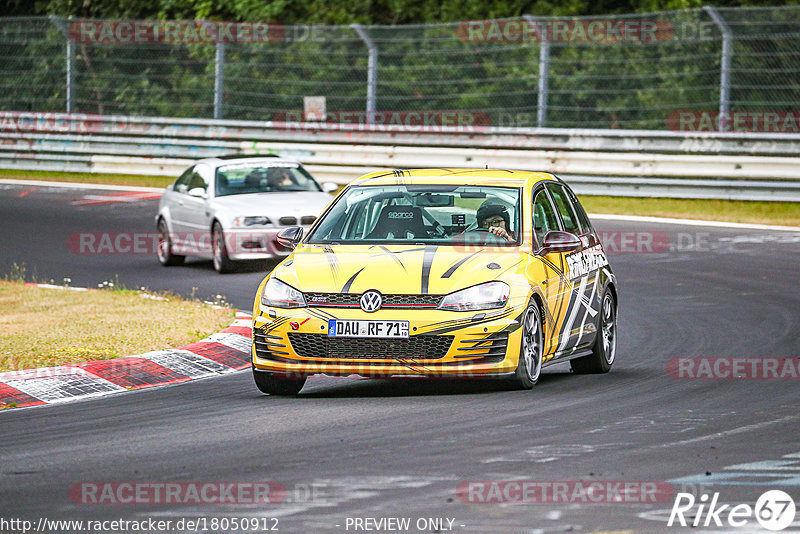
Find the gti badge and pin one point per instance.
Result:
(371, 301)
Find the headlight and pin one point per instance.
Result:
(482, 297)
(281, 295)
(250, 221)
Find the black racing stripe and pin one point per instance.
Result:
(552, 265)
(468, 322)
(427, 260)
(331, 257)
(346, 288)
(319, 314)
(393, 255)
(275, 324)
(449, 272)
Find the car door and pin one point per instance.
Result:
(198, 214)
(579, 317)
(174, 199)
(556, 284)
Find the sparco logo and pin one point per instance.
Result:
(371, 301)
(401, 215)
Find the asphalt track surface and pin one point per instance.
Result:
(350, 448)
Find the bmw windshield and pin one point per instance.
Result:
(241, 178)
(437, 214)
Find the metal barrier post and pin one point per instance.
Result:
(544, 64)
(70, 74)
(725, 67)
(372, 72)
(219, 79)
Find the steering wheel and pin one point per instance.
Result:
(486, 230)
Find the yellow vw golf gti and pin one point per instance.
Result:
(447, 273)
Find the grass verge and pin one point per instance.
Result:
(780, 213)
(42, 327)
(89, 178)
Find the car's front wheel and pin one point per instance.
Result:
(605, 345)
(531, 348)
(164, 249)
(275, 385)
(222, 263)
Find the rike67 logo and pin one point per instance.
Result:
(774, 510)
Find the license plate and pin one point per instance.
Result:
(359, 328)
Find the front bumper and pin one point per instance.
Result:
(249, 244)
(441, 344)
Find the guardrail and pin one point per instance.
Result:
(744, 166)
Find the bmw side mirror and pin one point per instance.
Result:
(290, 237)
(197, 192)
(558, 241)
(329, 187)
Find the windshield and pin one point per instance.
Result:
(262, 177)
(422, 213)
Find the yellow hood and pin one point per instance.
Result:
(392, 269)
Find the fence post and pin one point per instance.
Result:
(70, 75)
(725, 66)
(219, 79)
(372, 71)
(544, 68)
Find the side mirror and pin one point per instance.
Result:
(329, 187)
(290, 237)
(558, 241)
(197, 192)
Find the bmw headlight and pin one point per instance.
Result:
(481, 297)
(281, 295)
(251, 221)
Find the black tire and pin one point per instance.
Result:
(531, 348)
(164, 249)
(604, 349)
(222, 263)
(274, 385)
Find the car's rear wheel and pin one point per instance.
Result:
(164, 248)
(530, 350)
(605, 344)
(276, 385)
(222, 263)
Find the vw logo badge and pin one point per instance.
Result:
(371, 301)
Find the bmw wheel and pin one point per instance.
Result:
(164, 249)
(274, 385)
(605, 345)
(222, 263)
(530, 351)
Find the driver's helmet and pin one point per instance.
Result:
(490, 208)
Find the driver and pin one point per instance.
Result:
(279, 178)
(494, 217)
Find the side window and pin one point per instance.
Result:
(583, 219)
(564, 208)
(544, 217)
(197, 181)
(182, 183)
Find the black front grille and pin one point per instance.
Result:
(351, 300)
(492, 347)
(288, 221)
(307, 219)
(415, 347)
